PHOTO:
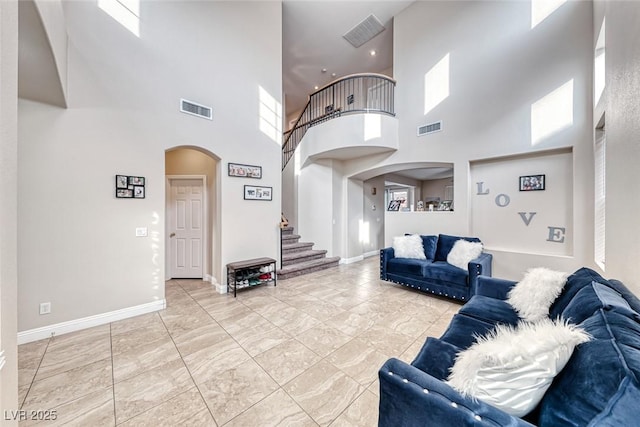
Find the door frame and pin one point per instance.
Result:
(205, 223)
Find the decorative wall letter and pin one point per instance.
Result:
(526, 220)
(556, 234)
(503, 200)
(480, 192)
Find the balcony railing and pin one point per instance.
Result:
(358, 93)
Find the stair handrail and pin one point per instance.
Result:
(375, 94)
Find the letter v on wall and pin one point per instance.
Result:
(527, 220)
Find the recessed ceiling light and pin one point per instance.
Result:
(333, 74)
(324, 70)
(315, 87)
(372, 53)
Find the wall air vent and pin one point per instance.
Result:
(364, 31)
(430, 128)
(194, 109)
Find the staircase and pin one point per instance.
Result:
(300, 258)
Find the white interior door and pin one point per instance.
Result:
(186, 228)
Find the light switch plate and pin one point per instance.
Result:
(141, 231)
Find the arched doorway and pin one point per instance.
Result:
(192, 214)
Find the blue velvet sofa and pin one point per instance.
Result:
(599, 386)
(434, 274)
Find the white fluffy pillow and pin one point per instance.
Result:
(533, 295)
(408, 247)
(512, 368)
(462, 252)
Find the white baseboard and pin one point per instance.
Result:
(89, 322)
(209, 278)
(372, 253)
(359, 257)
(351, 260)
(220, 288)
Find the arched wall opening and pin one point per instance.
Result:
(187, 165)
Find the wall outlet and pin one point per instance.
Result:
(45, 308)
(141, 231)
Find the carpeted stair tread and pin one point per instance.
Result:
(288, 237)
(300, 268)
(287, 230)
(302, 256)
(296, 247)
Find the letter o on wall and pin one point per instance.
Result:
(503, 200)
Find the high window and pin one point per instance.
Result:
(600, 155)
(126, 12)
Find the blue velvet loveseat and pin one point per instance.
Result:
(434, 274)
(599, 386)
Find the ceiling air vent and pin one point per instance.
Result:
(364, 31)
(430, 128)
(194, 109)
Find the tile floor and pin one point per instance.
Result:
(304, 353)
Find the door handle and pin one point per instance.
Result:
(172, 235)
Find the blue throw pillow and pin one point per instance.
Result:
(430, 243)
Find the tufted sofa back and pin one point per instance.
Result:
(600, 384)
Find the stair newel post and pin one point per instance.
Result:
(281, 246)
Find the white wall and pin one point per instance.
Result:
(498, 68)
(373, 214)
(77, 246)
(432, 188)
(623, 133)
(355, 235)
(8, 206)
(427, 223)
(532, 222)
(328, 201)
(351, 136)
(316, 205)
(289, 193)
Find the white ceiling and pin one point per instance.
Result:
(312, 40)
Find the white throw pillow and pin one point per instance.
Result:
(462, 252)
(535, 293)
(512, 368)
(408, 247)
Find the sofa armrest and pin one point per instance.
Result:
(410, 397)
(494, 287)
(480, 266)
(385, 255)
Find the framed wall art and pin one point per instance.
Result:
(532, 183)
(130, 187)
(445, 205)
(138, 191)
(245, 171)
(124, 193)
(254, 192)
(394, 205)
